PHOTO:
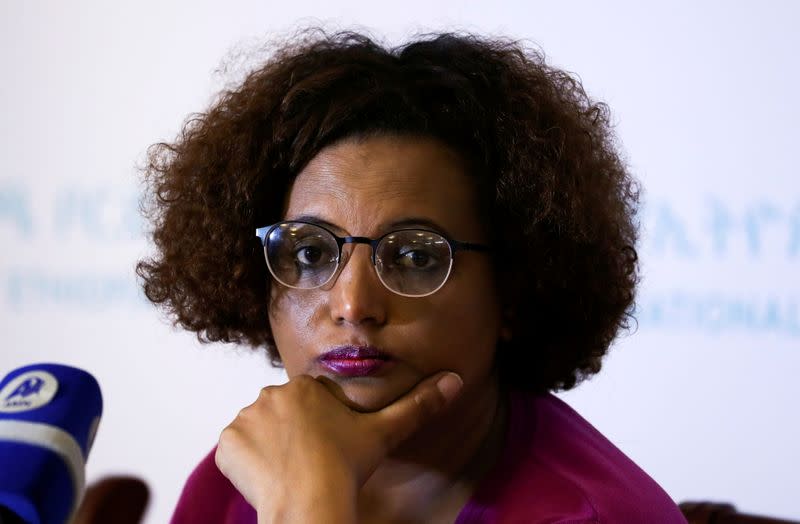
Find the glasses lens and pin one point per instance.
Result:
(301, 255)
(413, 263)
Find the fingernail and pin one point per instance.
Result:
(449, 386)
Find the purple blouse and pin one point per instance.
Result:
(555, 468)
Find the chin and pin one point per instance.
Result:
(366, 396)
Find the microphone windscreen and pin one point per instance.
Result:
(49, 415)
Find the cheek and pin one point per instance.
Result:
(463, 334)
(291, 319)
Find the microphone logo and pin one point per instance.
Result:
(27, 388)
(28, 391)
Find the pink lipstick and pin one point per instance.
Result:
(355, 361)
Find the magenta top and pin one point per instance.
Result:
(555, 467)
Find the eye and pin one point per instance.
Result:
(308, 255)
(415, 258)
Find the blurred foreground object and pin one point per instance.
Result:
(117, 500)
(49, 414)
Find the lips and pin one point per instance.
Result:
(355, 361)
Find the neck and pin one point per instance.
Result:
(436, 471)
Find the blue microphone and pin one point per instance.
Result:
(49, 415)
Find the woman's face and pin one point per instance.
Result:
(366, 187)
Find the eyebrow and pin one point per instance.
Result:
(402, 223)
(409, 222)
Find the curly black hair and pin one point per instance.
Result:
(544, 155)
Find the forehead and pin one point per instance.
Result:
(362, 184)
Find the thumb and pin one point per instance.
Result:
(400, 419)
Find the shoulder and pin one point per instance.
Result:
(556, 467)
(209, 497)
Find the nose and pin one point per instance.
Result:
(357, 297)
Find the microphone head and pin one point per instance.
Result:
(49, 415)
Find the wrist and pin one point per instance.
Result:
(330, 504)
(329, 511)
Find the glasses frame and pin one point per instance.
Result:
(454, 245)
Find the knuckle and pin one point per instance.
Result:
(266, 393)
(227, 438)
(246, 412)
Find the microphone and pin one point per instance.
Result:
(49, 415)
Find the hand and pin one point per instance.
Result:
(298, 454)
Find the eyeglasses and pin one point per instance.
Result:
(409, 262)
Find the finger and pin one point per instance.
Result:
(400, 419)
(336, 391)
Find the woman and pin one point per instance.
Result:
(444, 235)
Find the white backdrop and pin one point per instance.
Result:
(703, 396)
